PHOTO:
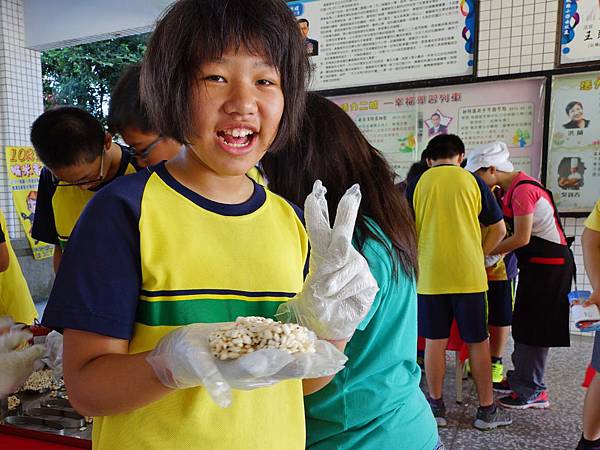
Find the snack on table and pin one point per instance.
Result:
(248, 334)
(41, 380)
(13, 402)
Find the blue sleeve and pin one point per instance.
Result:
(490, 210)
(300, 213)
(44, 226)
(97, 286)
(410, 192)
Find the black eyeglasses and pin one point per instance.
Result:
(100, 177)
(145, 152)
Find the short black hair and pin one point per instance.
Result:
(444, 146)
(66, 135)
(416, 170)
(435, 114)
(125, 109)
(304, 21)
(194, 32)
(571, 105)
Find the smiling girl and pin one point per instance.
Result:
(192, 240)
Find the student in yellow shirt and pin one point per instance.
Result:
(450, 204)
(590, 439)
(15, 299)
(193, 241)
(79, 158)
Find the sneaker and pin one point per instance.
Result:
(502, 387)
(583, 446)
(516, 401)
(439, 412)
(489, 419)
(497, 372)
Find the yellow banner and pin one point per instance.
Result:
(24, 170)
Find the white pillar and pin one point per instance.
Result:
(20, 103)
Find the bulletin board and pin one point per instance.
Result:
(401, 123)
(369, 42)
(573, 172)
(580, 32)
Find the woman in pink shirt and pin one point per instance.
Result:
(546, 267)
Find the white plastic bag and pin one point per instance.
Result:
(183, 359)
(339, 289)
(492, 260)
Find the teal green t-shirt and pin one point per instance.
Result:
(375, 402)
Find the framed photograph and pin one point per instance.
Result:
(573, 170)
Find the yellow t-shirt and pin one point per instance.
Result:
(59, 207)
(68, 203)
(256, 175)
(15, 298)
(593, 220)
(449, 205)
(175, 258)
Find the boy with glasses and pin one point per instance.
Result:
(128, 118)
(79, 159)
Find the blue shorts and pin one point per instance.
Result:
(500, 298)
(436, 313)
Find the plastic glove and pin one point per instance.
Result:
(492, 260)
(16, 365)
(53, 358)
(183, 359)
(339, 289)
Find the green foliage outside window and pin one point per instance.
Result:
(84, 75)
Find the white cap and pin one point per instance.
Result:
(487, 155)
(574, 163)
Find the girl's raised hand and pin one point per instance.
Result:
(339, 289)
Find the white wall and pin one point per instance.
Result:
(62, 23)
(20, 96)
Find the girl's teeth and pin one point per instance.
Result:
(238, 132)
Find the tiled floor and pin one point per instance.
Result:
(556, 428)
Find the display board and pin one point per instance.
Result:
(580, 32)
(573, 172)
(24, 170)
(368, 42)
(401, 123)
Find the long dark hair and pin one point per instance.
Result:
(332, 149)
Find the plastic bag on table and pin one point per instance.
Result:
(183, 359)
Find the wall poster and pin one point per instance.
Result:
(24, 170)
(573, 172)
(367, 42)
(401, 123)
(580, 31)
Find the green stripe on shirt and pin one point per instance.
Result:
(176, 313)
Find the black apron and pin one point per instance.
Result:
(546, 269)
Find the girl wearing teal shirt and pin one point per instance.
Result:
(375, 402)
